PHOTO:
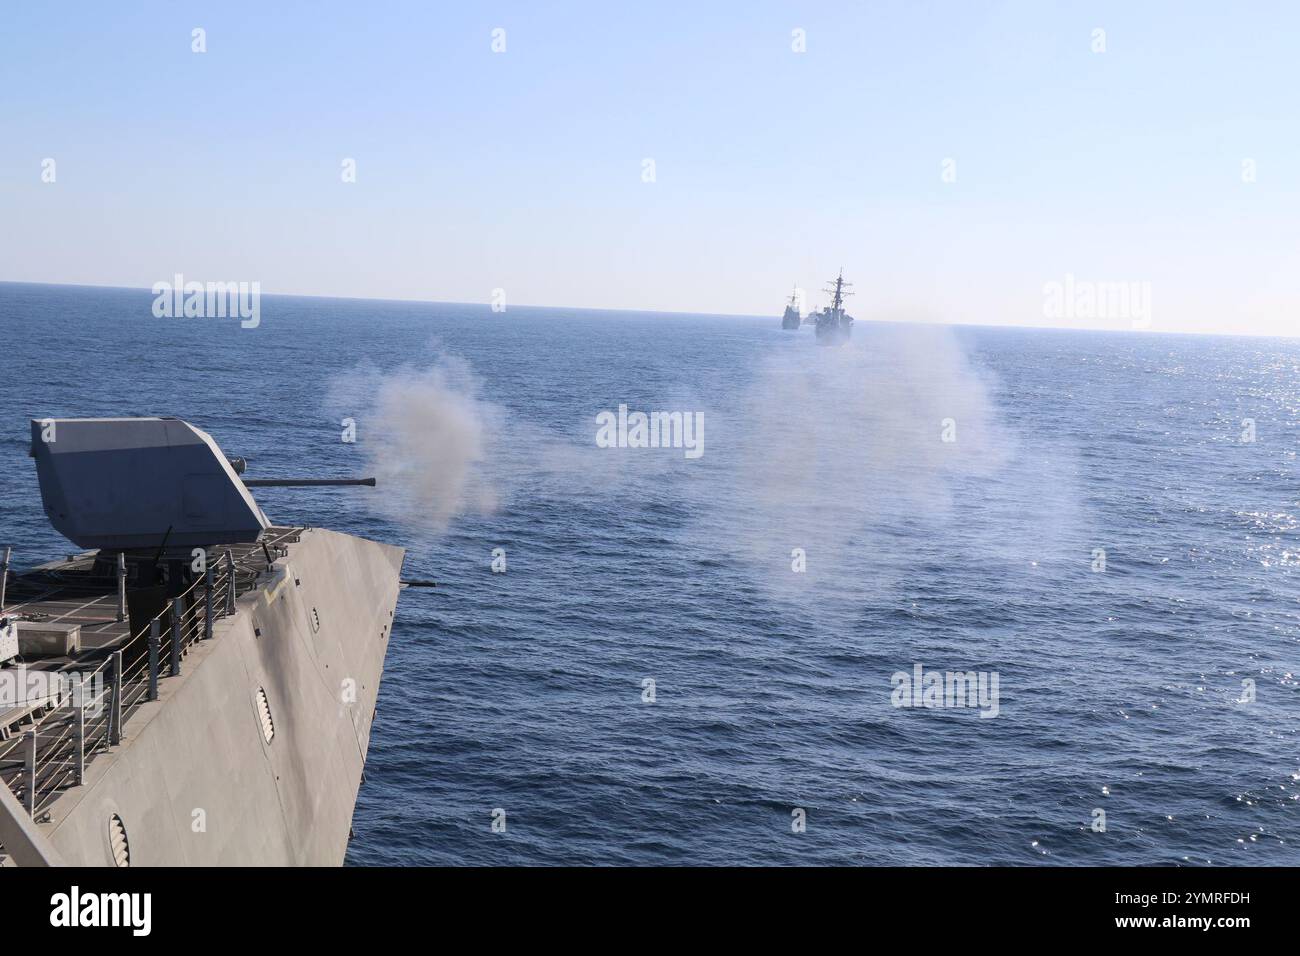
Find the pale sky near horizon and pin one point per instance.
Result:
(523, 170)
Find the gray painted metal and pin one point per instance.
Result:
(115, 702)
(201, 746)
(48, 638)
(209, 581)
(121, 585)
(155, 643)
(80, 698)
(22, 838)
(121, 483)
(311, 636)
(230, 583)
(29, 756)
(305, 482)
(174, 665)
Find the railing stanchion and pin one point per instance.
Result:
(121, 586)
(174, 665)
(210, 578)
(4, 576)
(230, 583)
(29, 745)
(115, 702)
(79, 719)
(155, 639)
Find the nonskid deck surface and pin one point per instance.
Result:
(71, 592)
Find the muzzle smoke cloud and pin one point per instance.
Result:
(427, 435)
(873, 458)
(842, 453)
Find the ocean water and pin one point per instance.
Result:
(1096, 532)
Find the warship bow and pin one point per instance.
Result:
(198, 686)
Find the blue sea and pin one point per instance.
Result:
(695, 660)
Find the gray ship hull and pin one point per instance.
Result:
(195, 781)
(834, 330)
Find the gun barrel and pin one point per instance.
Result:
(305, 482)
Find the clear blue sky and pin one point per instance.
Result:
(523, 170)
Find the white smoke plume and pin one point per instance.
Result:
(427, 434)
(837, 452)
(840, 452)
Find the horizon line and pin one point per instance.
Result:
(675, 312)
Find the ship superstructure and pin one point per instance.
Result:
(791, 320)
(834, 326)
(200, 686)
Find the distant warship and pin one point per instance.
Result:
(197, 689)
(790, 321)
(834, 325)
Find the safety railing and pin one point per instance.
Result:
(51, 755)
(87, 717)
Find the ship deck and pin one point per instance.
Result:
(72, 592)
(69, 592)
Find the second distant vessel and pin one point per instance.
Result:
(833, 324)
(791, 319)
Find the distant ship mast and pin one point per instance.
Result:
(834, 325)
(791, 320)
(837, 303)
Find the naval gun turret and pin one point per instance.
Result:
(149, 495)
(120, 484)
